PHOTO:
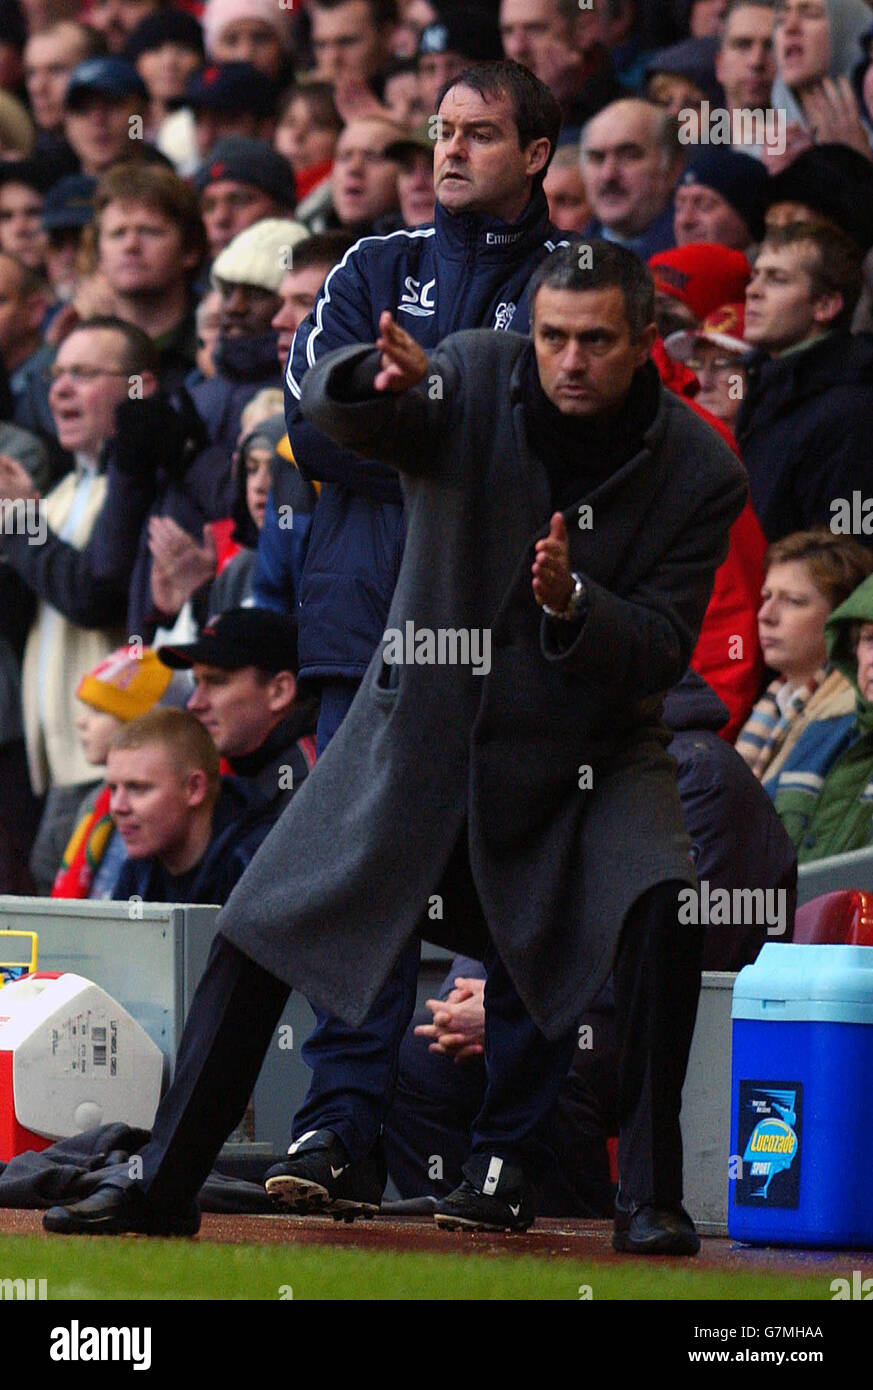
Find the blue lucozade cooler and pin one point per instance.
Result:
(802, 1098)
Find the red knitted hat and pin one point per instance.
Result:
(703, 275)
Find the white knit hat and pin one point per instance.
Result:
(261, 254)
(217, 14)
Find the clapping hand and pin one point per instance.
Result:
(552, 580)
(15, 482)
(832, 111)
(179, 565)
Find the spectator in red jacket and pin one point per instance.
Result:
(704, 366)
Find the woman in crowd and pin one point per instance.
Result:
(808, 575)
(823, 793)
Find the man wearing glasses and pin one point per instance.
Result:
(79, 615)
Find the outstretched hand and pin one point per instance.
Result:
(552, 580)
(404, 363)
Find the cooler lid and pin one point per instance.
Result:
(788, 981)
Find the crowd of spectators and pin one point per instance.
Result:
(198, 199)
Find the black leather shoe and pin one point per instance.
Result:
(112, 1211)
(654, 1231)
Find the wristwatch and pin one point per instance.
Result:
(575, 604)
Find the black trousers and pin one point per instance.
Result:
(238, 1004)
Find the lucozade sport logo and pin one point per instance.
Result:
(769, 1140)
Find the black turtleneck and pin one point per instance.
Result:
(579, 454)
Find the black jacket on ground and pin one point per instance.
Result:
(805, 432)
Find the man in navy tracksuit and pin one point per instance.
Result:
(496, 132)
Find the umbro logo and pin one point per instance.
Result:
(337, 1172)
(514, 1210)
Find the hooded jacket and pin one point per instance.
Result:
(805, 431)
(848, 20)
(824, 789)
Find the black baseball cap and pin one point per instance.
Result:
(232, 87)
(69, 203)
(111, 77)
(471, 32)
(240, 637)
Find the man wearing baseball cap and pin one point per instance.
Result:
(456, 40)
(247, 696)
(715, 352)
(242, 181)
(230, 99)
(102, 96)
(721, 199)
(67, 210)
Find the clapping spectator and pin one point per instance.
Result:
(79, 612)
(816, 47)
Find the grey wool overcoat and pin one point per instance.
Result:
(555, 760)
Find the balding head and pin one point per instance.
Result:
(631, 161)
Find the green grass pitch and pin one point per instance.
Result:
(130, 1268)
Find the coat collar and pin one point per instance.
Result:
(618, 502)
(468, 236)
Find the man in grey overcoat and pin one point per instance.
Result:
(502, 773)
